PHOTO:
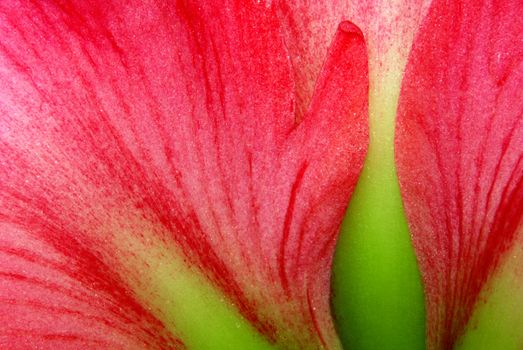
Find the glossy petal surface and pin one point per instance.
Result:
(143, 141)
(459, 150)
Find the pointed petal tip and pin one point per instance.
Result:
(350, 28)
(195, 154)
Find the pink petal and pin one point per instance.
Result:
(58, 295)
(308, 26)
(171, 123)
(459, 150)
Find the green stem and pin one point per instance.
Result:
(378, 298)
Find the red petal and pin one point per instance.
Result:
(174, 123)
(58, 295)
(309, 25)
(459, 150)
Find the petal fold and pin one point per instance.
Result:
(388, 27)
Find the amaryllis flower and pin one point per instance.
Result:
(173, 174)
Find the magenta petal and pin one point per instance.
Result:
(170, 122)
(459, 150)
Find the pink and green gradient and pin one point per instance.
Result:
(175, 174)
(459, 152)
